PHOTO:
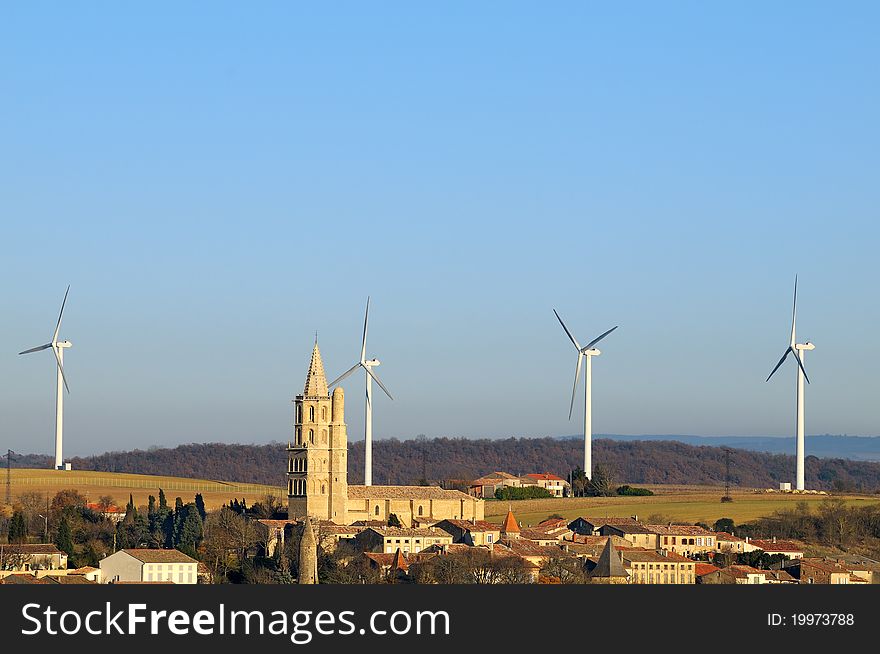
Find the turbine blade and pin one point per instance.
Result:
(566, 330)
(61, 313)
(800, 364)
(61, 368)
(376, 379)
(577, 376)
(598, 338)
(794, 314)
(364, 342)
(37, 349)
(345, 374)
(787, 352)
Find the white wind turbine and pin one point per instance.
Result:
(370, 376)
(589, 352)
(58, 348)
(797, 349)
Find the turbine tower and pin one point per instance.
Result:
(58, 348)
(370, 376)
(589, 352)
(797, 349)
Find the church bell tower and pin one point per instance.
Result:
(317, 484)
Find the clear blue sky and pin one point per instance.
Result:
(218, 181)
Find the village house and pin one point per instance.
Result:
(725, 542)
(735, 574)
(637, 534)
(407, 539)
(590, 526)
(28, 557)
(859, 566)
(111, 512)
(149, 565)
(556, 486)
(684, 539)
(653, 567)
(471, 532)
(773, 546)
(485, 486)
(820, 571)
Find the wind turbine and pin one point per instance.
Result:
(589, 352)
(58, 348)
(797, 349)
(370, 376)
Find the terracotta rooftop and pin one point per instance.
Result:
(778, 546)
(679, 530)
(399, 562)
(701, 569)
(609, 520)
(471, 525)
(24, 579)
(159, 556)
(509, 526)
(544, 476)
(408, 532)
(405, 492)
(725, 537)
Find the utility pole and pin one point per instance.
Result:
(9, 454)
(727, 497)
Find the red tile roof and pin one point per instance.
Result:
(509, 525)
(545, 476)
(705, 568)
(778, 546)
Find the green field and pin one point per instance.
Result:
(676, 503)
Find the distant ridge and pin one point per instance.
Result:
(647, 461)
(856, 448)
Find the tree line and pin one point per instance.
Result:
(455, 461)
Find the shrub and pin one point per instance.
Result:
(632, 490)
(523, 493)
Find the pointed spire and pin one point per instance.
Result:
(398, 562)
(609, 564)
(316, 380)
(509, 525)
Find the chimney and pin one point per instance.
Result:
(774, 539)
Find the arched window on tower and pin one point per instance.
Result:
(312, 436)
(420, 509)
(324, 413)
(322, 489)
(311, 414)
(290, 487)
(377, 509)
(299, 413)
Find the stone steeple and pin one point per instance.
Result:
(609, 568)
(316, 380)
(308, 555)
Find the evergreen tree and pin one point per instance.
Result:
(18, 530)
(163, 503)
(151, 506)
(394, 521)
(200, 505)
(64, 539)
(190, 532)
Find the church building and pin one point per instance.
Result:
(317, 470)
